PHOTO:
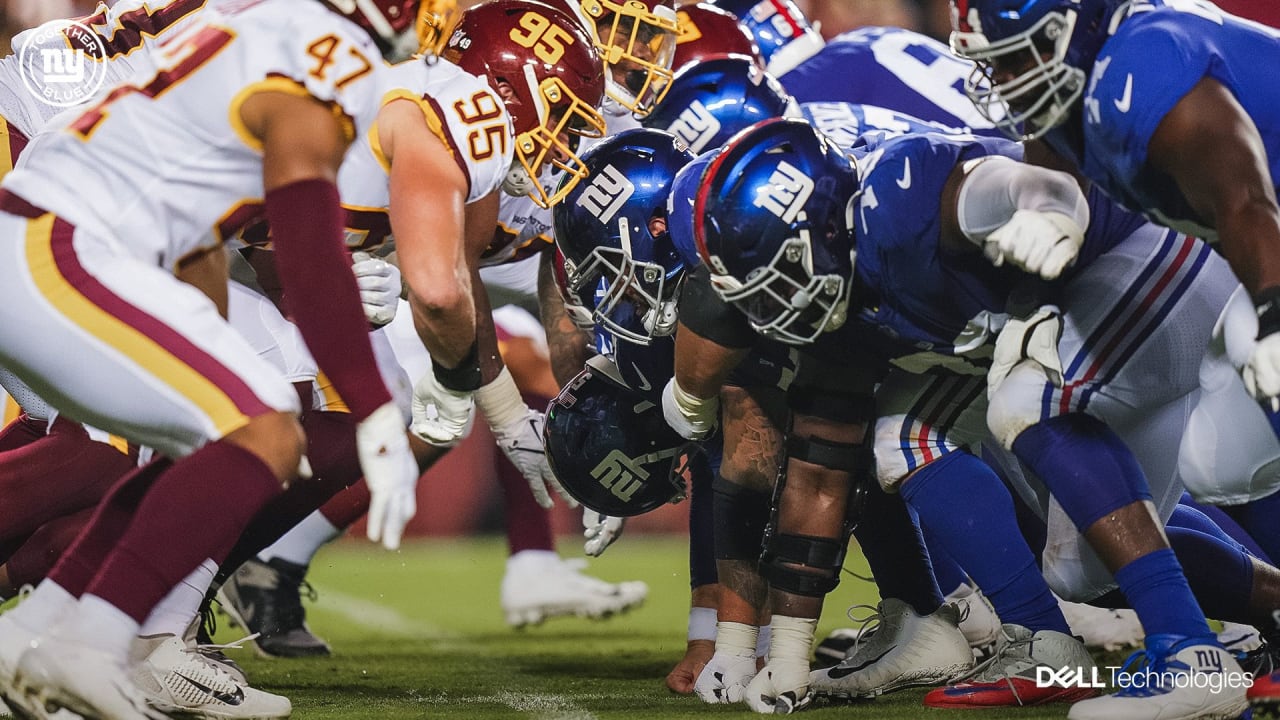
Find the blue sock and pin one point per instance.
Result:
(1226, 524)
(1219, 572)
(1258, 518)
(969, 511)
(702, 547)
(945, 568)
(1085, 465)
(1159, 593)
(896, 553)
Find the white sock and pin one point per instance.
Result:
(532, 556)
(302, 543)
(174, 613)
(763, 640)
(100, 625)
(43, 608)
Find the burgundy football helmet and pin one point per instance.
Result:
(395, 25)
(706, 31)
(547, 71)
(636, 40)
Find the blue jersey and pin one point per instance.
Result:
(892, 68)
(911, 287)
(843, 122)
(1157, 55)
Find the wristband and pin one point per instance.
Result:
(1267, 304)
(702, 623)
(465, 377)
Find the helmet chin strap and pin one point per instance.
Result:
(661, 320)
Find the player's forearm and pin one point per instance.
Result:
(446, 323)
(1249, 238)
(568, 344)
(702, 366)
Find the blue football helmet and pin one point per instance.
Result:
(684, 190)
(611, 229)
(1033, 57)
(773, 221)
(782, 32)
(710, 101)
(611, 448)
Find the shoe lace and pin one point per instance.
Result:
(867, 624)
(995, 668)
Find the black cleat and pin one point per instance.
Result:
(265, 598)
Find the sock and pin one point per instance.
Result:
(301, 543)
(1191, 518)
(1158, 591)
(221, 486)
(78, 565)
(44, 607)
(344, 509)
(1224, 522)
(100, 625)
(945, 568)
(331, 450)
(1258, 518)
(32, 560)
(896, 552)
(702, 529)
(176, 610)
(1085, 465)
(55, 475)
(968, 510)
(1219, 572)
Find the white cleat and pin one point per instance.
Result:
(905, 650)
(978, 620)
(1102, 628)
(15, 640)
(539, 585)
(60, 674)
(1173, 680)
(180, 681)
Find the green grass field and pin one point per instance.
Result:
(419, 634)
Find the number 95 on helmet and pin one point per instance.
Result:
(610, 448)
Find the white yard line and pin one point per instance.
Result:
(379, 617)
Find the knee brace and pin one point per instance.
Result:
(805, 564)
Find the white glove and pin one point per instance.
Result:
(692, 418)
(782, 687)
(726, 676)
(1043, 243)
(379, 283)
(1262, 372)
(1034, 338)
(601, 531)
(518, 431)
(391, 473)
(441, 416)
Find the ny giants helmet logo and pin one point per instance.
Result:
(623, 475)
(606, 194)
(696, 125)
(786, 192)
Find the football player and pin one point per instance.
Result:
(1169, 108)
(775, 308)
(138, 352)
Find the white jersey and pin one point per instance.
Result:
(461, 110)
(129, 31)
(165, 167)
